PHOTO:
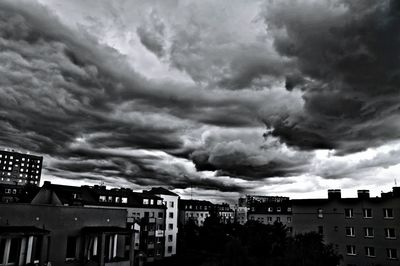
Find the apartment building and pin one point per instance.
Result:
(240, 214)
(224, 212)
(64, 235)
(143, 211)
(170, 200)
(269, 209)
(364, 230)
(195, 210)
(20, 168)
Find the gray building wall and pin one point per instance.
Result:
(61, 221)
(328, 216)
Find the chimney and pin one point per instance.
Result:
(334, 194)
(363, 194)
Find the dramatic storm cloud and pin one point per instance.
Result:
(210, 98)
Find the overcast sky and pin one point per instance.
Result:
(211, 98)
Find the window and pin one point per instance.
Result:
(110, 199)
(117, 199)
(289, 219)
(170, 226)
(170, 238)
(388, 213)
(278, 209)
(391, 253)
(320, 213)
(368, 232)
(278, 219)
(320, 230)
(8, 191)
(289, 209)
(160, 215)
(146, 201)
(390, 233)
(151, 202)
(171, 215)
(350, 231)
(102, 198)
(15, 245)
(171, 204)
(370, 251)
(124, 200)
(269, 219)
(367, 213)
(348, 213)
(169, 249)
(159, 202)
(71, 248)
(351, 250)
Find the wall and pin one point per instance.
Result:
(334, 223)
(174, 221)
(61, 221)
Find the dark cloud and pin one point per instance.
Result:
(248, 156)
(347, 53)
(152, 34)
(323, 75)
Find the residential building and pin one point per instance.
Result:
(19, 168)
(269, 209)
(64, 235)
(364, 230)
(170, 200)
(224, 212)
(195, 210)
(240, 215)
(16, 193)
(141, 209)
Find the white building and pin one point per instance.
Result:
(171, 219)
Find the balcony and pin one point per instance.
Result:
(159, 233)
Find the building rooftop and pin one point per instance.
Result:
(161, 191)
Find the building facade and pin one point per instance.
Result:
(63, 235)
(269, 209)
(143, 211)
(364, 230)
(19, 168)
(170, 200)
(194, 210)
(225, 213)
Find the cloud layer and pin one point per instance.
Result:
(225, 97)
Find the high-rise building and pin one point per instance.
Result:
(19, 168)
